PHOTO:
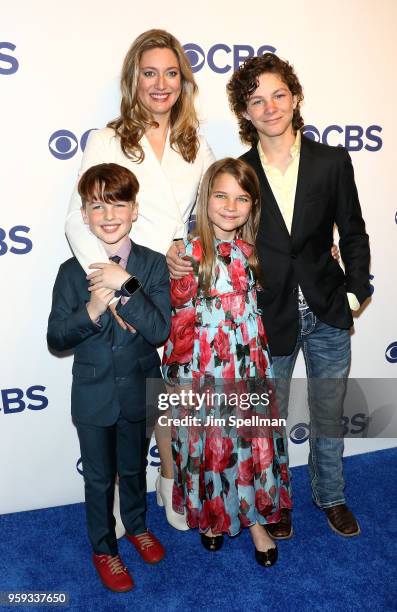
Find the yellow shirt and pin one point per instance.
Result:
(283, 187)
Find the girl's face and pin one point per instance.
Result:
(159, 82)
(229, 206)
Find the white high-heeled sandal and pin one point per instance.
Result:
(164, 498)
(120, 529)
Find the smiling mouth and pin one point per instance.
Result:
(160, 97)
(109, 229)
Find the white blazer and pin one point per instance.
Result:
(166, 197)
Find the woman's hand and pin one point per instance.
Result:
(109, 275)
(177, 266)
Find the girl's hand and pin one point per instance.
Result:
(109, 275)
(177, 266)
(99, 301)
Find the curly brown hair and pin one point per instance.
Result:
(245, 81)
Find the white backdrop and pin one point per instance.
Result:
(59, 72)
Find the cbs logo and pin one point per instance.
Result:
(63, 144)
(8, 63)
(20, 244)
(351, 426)
(391, 353)
(352, 137)
(16, 400)
(222, 58)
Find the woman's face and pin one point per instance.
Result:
(159, 82)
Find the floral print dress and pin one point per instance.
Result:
(226, 477)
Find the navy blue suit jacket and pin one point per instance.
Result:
(111, 365)
(326, 196)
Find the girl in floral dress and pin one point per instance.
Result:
(226, 477)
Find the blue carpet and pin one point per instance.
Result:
(317, 569)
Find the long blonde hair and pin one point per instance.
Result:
(248, 181)
(134, 119)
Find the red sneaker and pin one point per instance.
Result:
(148, 546)
(113, 573)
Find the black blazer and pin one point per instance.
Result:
(111, 365)
(326, 194)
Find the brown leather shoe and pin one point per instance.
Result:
(342, 521)
(283, 529)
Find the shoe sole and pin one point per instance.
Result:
(117, 590)
(341, 533)
(286, 537)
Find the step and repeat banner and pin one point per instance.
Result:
(59, 78)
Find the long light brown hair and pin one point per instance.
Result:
(248, 181)
(134, 119)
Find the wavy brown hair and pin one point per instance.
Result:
(248, 181)
(134, 119)
(245, 81)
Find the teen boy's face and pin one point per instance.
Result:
(111, 223)
(270, 108)
(229, 206)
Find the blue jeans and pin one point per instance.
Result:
(326, 352)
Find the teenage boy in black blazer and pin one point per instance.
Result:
(111, 364)
(306, 189)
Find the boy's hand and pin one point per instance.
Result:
(123, 324)
(107, 275)
(99, 301)
(177, 266)
(335, 252)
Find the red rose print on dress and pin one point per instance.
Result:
(263, 502)
(222, 345)
(205, 352)
(181, 337)
(245, 473)
(224, 249)
(214, 516)
(183, 290)
(238, 275)
(246, 248)
(285, 500)
(262, 453)
(218, 451)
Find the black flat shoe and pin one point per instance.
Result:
(212, 543)
(267, 558)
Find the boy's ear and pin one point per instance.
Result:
(135, 210)
(84, 214)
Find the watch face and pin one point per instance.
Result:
(131, 285)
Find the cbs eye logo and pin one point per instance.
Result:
(63, 144)
(222, 58)
(299, 433)
(391, 353)
(8, 63)
(352, 137)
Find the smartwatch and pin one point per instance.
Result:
(130, 286)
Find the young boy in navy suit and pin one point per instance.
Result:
(111, 364)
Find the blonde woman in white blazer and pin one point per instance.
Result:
(156, 138)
